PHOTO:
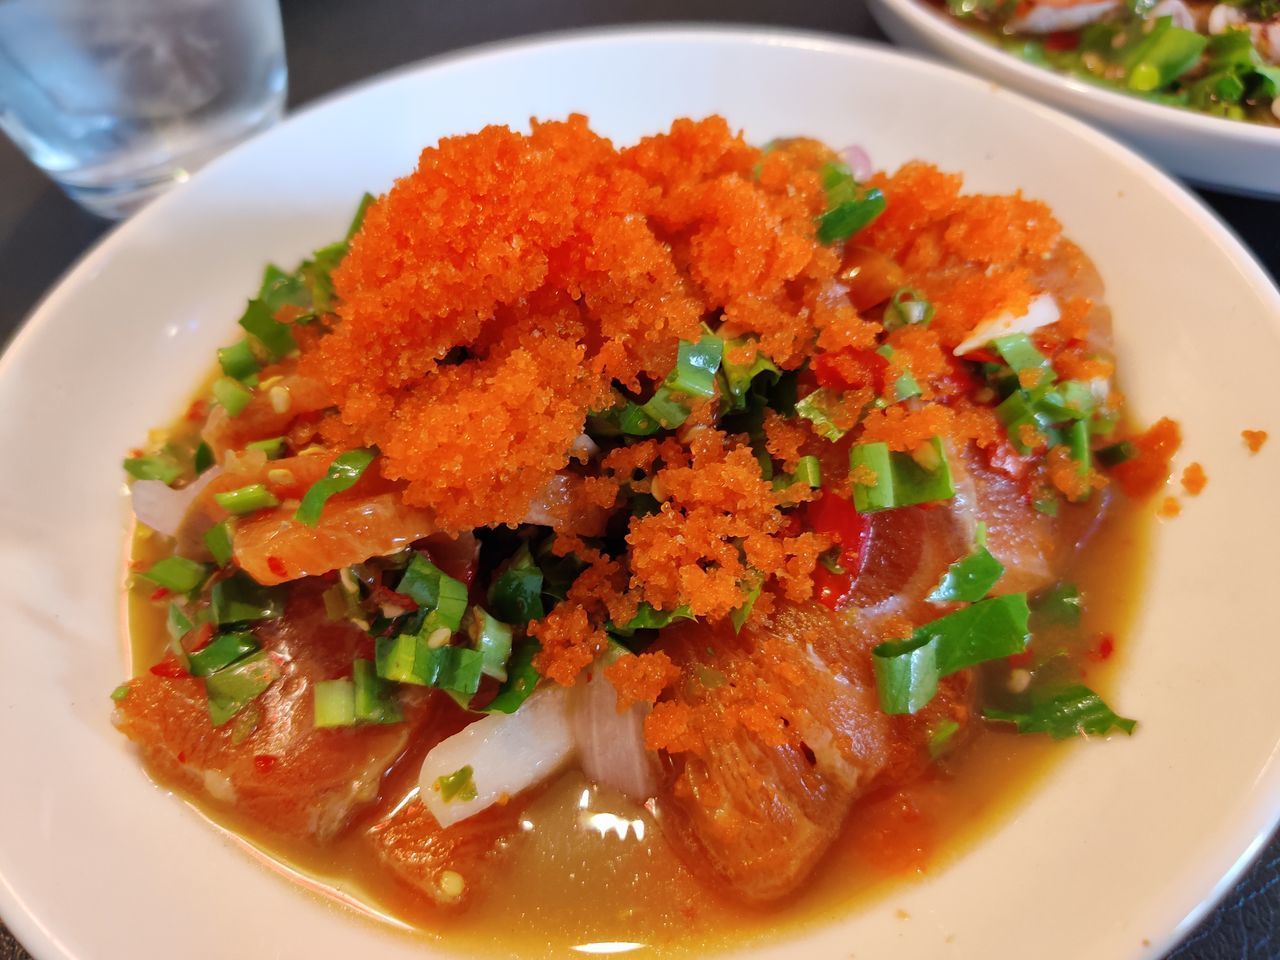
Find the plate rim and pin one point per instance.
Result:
(44, 943)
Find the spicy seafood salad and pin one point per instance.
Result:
(739, 485)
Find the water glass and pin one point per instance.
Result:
(117, 99)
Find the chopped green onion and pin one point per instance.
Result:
(647, 618)
(1167, 54)
(279, 289)
(1071, 400)
(908, 671)
(222, 651)
(666, 408)
(516, 595)
(239, 363)
(437, 594)
(177, 623)
(203, 458)
(259, 320)
(850, 206)
(218, 539)
(1046, 504)
(162, 468)
(1116, 453)
(358, 220)
(970, 579)
(940, 738)
(907, 308)
(232, 395)
(120, 692)
(1067, 712)
(177, 574)
(394, 658)
(375, 701)
(816, 408)
(448, 668)
(1020, 353)
(1060, 603)
(493, 642)
(738, 378)
(900, 480)
(457, 786)
(696, 366)
(273, 447)
(522, 678)
(248, 499)
(740, 614)
(1078, 446)
(334, 704)
(809, 472)
(240, 599)
(342, 475)
(233, 688)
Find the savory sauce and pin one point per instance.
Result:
(586, 860)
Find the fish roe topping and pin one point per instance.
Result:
(1254, 439)
(1149, 469)
(1194, 479)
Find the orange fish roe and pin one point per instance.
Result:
(1254, 439)
(1145, 473)
(1169, 508)
(642, 678)
(1194, 479)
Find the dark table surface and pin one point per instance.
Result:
(332, 43)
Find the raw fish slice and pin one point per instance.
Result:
(447, 864)
(763, 800)
(280, 772)
(268, 413)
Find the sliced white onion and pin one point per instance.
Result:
(611, 744)
(1179, 11)
(542, 509)
(858, 161)
(583, 448)
(163, 508)
(1223, 17)
(507, 754)
(1041, 312)
(1043, 18)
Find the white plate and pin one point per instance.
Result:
(1113, 857)
(1229, 154)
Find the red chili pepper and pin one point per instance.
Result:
(385, 595)
(1105, 646)
(160, 593)
(831, 589)
(1022, 659)
(198, 410)
(851, 531)
(1062, 40)
(264, 762)
(169, 668)
(276, 566)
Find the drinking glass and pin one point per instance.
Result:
(117, 99)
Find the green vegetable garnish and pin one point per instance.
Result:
(739, 615)
(1020, 354)
(177, 574)
(335, 703)
(441, 599)
(273, 447)
(1066, 712)
(120, 692)
(248, 499)
(908, 671)
(647, 618)
(522, 678)
(240, 599)
(1116, 453)
(739, 378)
(1060, 603)
(907, 307)
(448, 668)
(900, 479)
(159, 467)
(202, 460)
(457, 786)
(816, 407)
(222, 651)
(375, 700)
(358, 220)
(492, 641)
(258, 320)
(696, 366)
(231, 394)
(239, 363)
(233, 688)
(850, 206)
(516, 595)
(1165, 55)
(940, 738)
(342, 475)
(970, 579)
(218, 539)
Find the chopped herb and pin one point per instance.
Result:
(239, 363)
(739, 615)
(160, 467)
(258, 319)
(120, 692)
(1115, 454)
(647, 618)
(1020, 354)
(358, 220)
(522, 678)
(281, 289)
(342, 475)
(970, 579)
(240, 599)
(908, 671)
(492, 640)
(202, 460)
(696, 366)
(441, 599)
(222, 651)
(907, 307)
(273, 448)
(233, 688)
(248, 499)
(516, 595)
(850, 206)
(739, 378)
(177, 574)
(375, 700)
(816, 407)
(457, 786)
(394, 658)
(334, 704)
(1060, 603)
(899, 478)
(1065, 712)
(218, 539)
(940, 738)
(232, 395)
(448, 668)
(177, 623)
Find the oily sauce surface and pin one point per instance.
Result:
(591, 867)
